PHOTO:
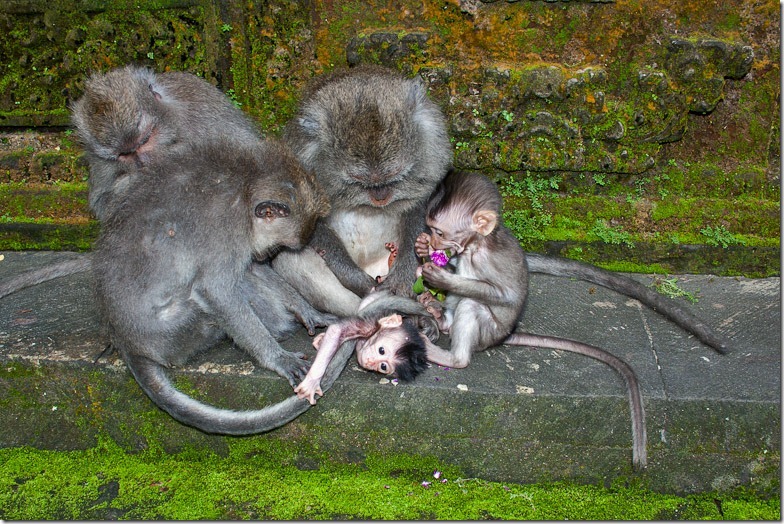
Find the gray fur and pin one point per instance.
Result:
(44, 274)
(172, 260)
(129, 115)
(378, 146)
(487, 292)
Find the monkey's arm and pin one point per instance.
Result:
(339, 261)
(332, 339)
(479, 290)
(403, 272)
(248, 332)
(292, 300)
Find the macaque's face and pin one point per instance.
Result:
(379, 352)
(445, 235)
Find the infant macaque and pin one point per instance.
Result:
(391, 333)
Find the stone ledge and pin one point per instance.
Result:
(527, 415)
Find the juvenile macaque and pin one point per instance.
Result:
(486, 293)
(172, 262)
(129, 115)
(379, 147)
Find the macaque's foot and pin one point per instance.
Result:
(291, 366)
(422, 245)
(311, 318)
(308, 389)
(432, 305)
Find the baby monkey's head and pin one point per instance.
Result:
(396, 348)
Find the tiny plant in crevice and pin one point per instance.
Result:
(720, 236)
(528, 223)
(611, 235)
(669, 288)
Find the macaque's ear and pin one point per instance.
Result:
(270, 210)
(484, 221)
(392, 321)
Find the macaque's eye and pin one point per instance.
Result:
(383, 367)
(438, 232)
(381, 350)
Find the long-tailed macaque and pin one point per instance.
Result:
(392, 343)
(129, 115)
(487, 291)
(172, 261)
(378, 146)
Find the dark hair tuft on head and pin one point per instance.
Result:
(412, 358)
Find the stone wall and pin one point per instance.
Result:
(649, 119)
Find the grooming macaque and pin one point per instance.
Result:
(129, 115)
(378, 146)
(172, 263)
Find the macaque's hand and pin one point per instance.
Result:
(317, 340)
(422, 245)
(308, 389)
(436, 276)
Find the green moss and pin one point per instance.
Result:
(259, 479)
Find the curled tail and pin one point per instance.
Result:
(155, 382)
(667, 307)
(44, 274)
(639, 433)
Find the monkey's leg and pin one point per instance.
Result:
(307, 272)
(270, 293)
(473, 329)
(248, 332)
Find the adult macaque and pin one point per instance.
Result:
(172, 262)
(126, 119)
(128, 116)
(393, 344)
(378, 146)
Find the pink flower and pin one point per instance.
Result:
(439, 258)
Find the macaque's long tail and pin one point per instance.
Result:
(665, 306)
(155, 382)
(46, 273)
(639, 434)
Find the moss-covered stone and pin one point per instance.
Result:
(674, 110)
